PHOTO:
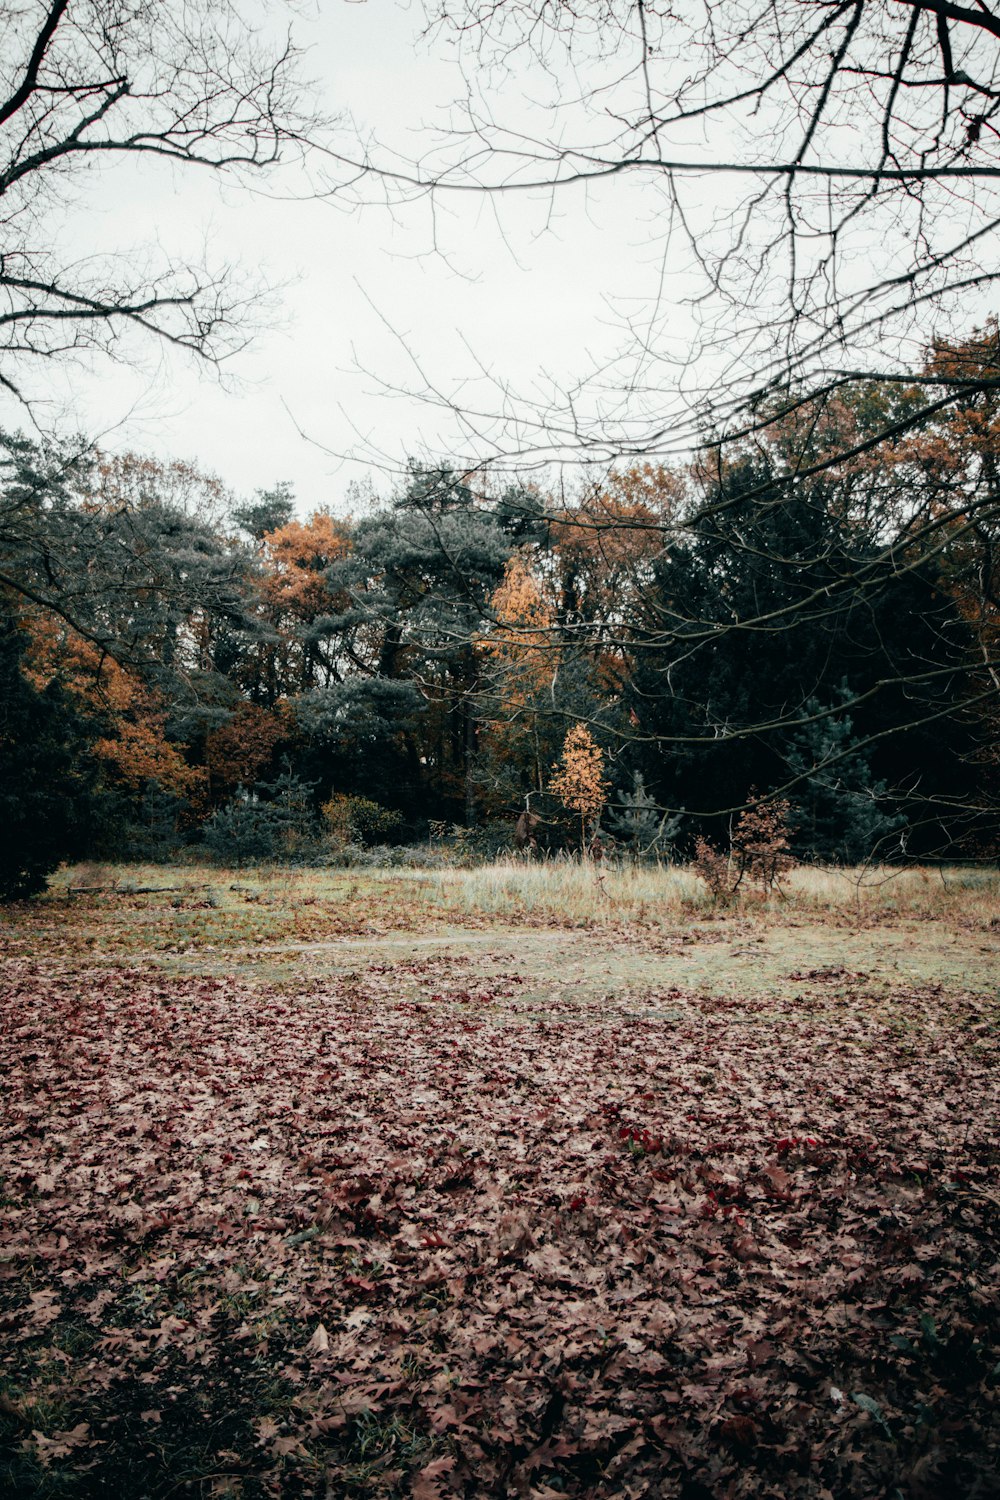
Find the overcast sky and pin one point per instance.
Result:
(526, 293)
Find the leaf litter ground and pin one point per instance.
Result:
(424, 1228)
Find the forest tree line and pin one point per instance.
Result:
(808, 614)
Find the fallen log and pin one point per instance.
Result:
(133, 890)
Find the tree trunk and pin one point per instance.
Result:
(470, 756)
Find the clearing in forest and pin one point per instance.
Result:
(435, 1185)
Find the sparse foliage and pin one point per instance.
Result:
(715, 869)
(761, 849)
(578, 780)
(88, 82)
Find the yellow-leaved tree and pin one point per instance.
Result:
(520, 658)
(578, 780)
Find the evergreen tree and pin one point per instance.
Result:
(770, 599)
(839, 812)
(415, 586)
(639, 823)
(46, 782)
(274, 821)
(268, 511)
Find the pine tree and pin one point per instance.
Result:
(839, 811)
(275, 823)
(641, 825)
(46, 777)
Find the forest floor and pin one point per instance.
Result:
(523, 1182)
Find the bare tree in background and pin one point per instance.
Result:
(84, 83)
(827, 174)
(831, 169)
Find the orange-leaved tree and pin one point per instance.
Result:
(522, 632)
(578, 780)
(238, 752)
(520, 662)
(295, 594)
(128, 716)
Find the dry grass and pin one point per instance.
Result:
(603, 930)
(565, 890)
(594, 893)
(568, 891)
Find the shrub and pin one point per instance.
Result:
(468, 847)
(359, 820)
(255, 828)
(714, 868)
(760, 843)
(758, 851)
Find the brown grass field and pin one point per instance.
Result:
(535, 1180)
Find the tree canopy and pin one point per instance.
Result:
(690, 641)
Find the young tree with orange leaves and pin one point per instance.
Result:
(578, 780)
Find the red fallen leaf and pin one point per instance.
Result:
(281, 1447)
(604, 1424)
(360, 1283)
(446, 1417)
(760, 1352)
(60, 1444)
(436, 1468)
(45, 1308)
(911, 1273)
(333, 1422)
(666, 1429)
(320, 1341)
(425, 1489)
(779, 1180)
